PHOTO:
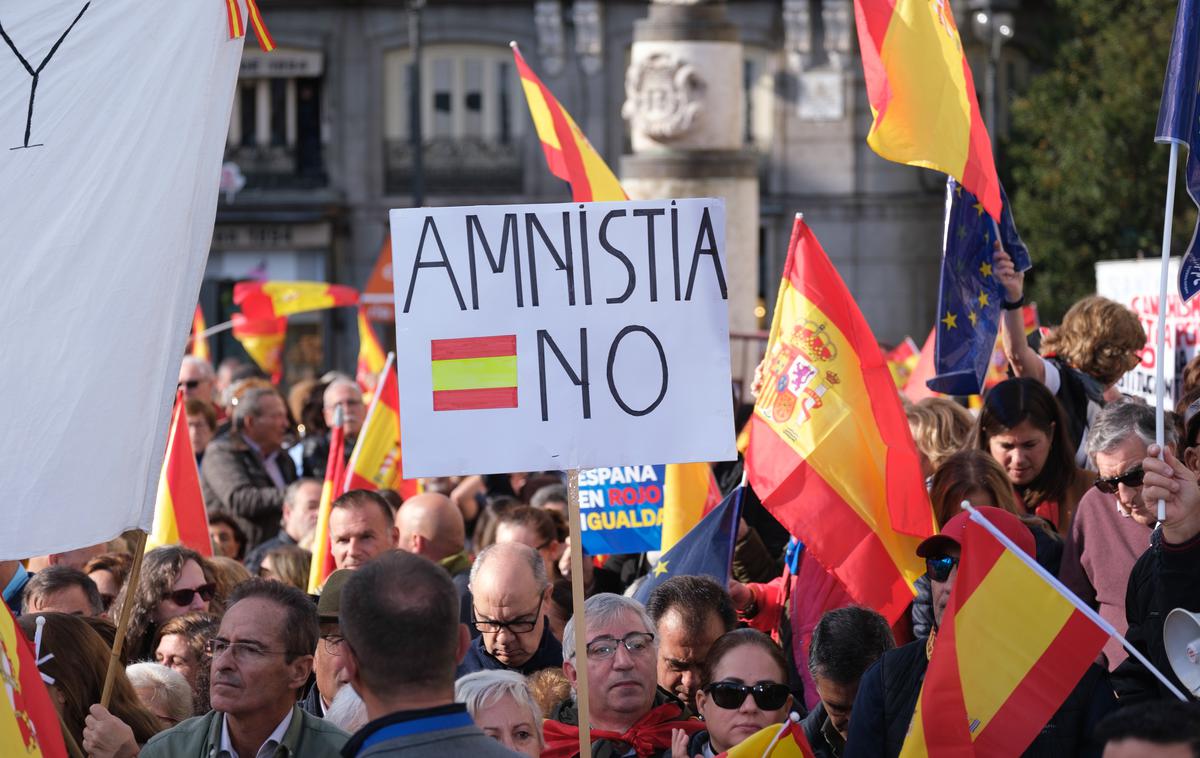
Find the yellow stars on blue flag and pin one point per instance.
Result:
(983, 299)
(951, 320)
(660, 568)
(985, 268)
(974, 317)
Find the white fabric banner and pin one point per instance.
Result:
(113, 118)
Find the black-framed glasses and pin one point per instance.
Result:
(939, 568)
(635, 643)
(243, 652)
(184, 597)
(1131, 478)
(333, 643)
(768, 696)
(518, 626)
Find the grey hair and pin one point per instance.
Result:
(1117, 422)
(483, 688)
(600, 609)
(206, 369)
(250, 404)
(341, 381)
(347, 711)
(167, 687)
(289, 494)
(532, 557)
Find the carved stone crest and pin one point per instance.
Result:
(662, 96)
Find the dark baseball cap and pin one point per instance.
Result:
(330, 600)
(952, 533)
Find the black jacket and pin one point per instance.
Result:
(548, 656)
(815, 724)
(233, 478)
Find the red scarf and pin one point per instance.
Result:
(651, 734)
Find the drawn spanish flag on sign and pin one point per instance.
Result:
(474, 373)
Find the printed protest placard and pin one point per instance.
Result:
(562, 336)
(621, 508)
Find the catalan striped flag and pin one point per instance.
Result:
(371, 358)
(29, 723)
(334, 487)
(1010, 649)
(922, 93)
(273, 299)
(776, 741)
(830, 452)
(262, 339)
(568, 153)
(179, 514)
(376, 461)
(198, 344)
(474, 373)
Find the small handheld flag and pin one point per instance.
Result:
(179, 513)
(334, 487)
(263, 342)
(274, 299)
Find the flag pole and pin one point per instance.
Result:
(580, 623)
(131, 585)
(1160, 346)
(1061, 588)
(210, 331)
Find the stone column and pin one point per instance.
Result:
(685, 103)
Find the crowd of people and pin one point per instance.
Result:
(447, 629)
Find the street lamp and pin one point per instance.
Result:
(993, 23)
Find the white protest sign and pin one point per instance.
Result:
(562, 336)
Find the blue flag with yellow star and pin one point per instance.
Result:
(970, 296)
(1179, 121)
(706, 550)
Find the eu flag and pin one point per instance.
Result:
(970, 296)
(706, 550)
(1179, 121)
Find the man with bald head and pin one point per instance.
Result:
(431, 525)
(510, 592)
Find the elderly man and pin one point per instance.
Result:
(431, 525)
(246, 471)
(64, 590)
(314, 449)
(301, 507)
(196, 379)
(689, 614)
(510, 592)
(844, 643)
(402, 602)
(329, 672)
(888, 691)
(261, 657)
(360, 528)
(1113, 522)
(627, 711)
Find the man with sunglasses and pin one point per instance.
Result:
(1113, 522)
(196, 379)
(509, 594)
(888, 692)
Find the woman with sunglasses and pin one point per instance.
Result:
(1022, 426)
(174, 580)
(742, 691)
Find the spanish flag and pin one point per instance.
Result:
(263, 342)
(568, 153)
(830, 452)
(922, 93)
(785, 740)
(334, 487)
(1010, 649)
(179, 514)
(371, 358)
(29, 723)
(375, 462)
(198, 345)
(266, 300)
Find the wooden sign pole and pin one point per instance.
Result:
(577, 590)
(131, 587)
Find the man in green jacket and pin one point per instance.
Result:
(262, 655)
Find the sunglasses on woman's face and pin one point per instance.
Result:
(731, 695)
(939, 568)
(184, 597)
(1131, 478)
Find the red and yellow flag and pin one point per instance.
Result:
(266, 300)
(568, 153)
(262, 339)
(830, 452)
(775, 741)
(901, 361)
(923, 95)
(473, 373)
(1010, 649)
(371, 358)
(690, 491)
(29, 724)
(198, 344)
(334, 487)
(375, 463)
(237, 27)
(179, 514)
(916, 389)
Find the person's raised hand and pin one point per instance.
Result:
(1175, 484)
(679, 744)
(1006, 273)
(740, 594)
(106, 736)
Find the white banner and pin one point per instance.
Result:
(113, 118)
(562, 336)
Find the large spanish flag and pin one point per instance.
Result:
(830, 452)
(371, 358)
(375, 462)
(266, 300)
(923, 95)
(29, 724)
(569, 154)
(179, 514)
(1010, 649)
(262, 339)
(198, 344)
(334, 487)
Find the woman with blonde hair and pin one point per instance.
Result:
(501, 704)
(940, 427)
(288, 564)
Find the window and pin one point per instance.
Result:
(759, 82)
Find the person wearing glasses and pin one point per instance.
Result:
(197, 379)
(888, 691)
(261, 657)
(174, 580)
(742, 692)
(313, 450)
(629, 713)
(1113, 523)
(510, 597)
(329, 673)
